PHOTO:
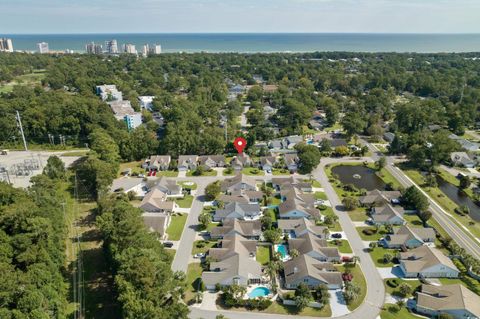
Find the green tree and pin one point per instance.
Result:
(212, 191)
(465, 182)
(414, 199)
(104, 146)
(273, 235)
(405, 289)
(205, 219)
(381, 163)
(350, 203)
(55, 168)
(309, 157)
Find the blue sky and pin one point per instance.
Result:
(115, 16)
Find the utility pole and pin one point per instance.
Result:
(19, 123)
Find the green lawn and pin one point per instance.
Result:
(413, 220)
(202, 246)
(185, 202)
(328, 212)
(227, 172)
(378, 253)
(275, 200)
(176, 226)
(280, 171)
(381, 233)
(263, 254)
(358, 214)
(320, 195)
(188, 184)
(278, 308)
(394, 291)
(194, 274)
(316, 184)
(134, 166)
(76, 153)
(358, 279)
(30, 79)
(342, 245)
(167, 173)
(387, 177)
(205, 173)
(253, 171)
(403, 313)
(271, 212)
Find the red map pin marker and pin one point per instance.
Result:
(240, 144)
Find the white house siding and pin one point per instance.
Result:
(438, 271)
(456, 313)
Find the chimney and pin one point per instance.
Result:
(295, 270)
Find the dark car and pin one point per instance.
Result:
(336, 235)
(168, 244)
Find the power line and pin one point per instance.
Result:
(19, 123)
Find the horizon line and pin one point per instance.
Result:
(240, 33)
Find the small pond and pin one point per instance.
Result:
(360, 176)
(459, 198)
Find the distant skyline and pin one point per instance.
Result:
(234, 16)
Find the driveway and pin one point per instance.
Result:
(390, 272)
(338, 304)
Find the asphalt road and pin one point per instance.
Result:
(457, 233)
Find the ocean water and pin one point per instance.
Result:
(262, 42)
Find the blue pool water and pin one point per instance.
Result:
(282, 249)
(259, 292)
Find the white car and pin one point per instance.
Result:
(199, 255)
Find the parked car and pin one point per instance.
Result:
(336, 235)
(168, 244)
(199, 255)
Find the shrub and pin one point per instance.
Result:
(393, 308)
(369, 231)
(393, 283)
(322, 207)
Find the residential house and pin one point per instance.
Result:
(389, 137)
(298, 227)
(156, 201)
(296, 204)
(277, 182)
(233, 263)
(240, 161)
(187, 162)
(241, 199)
(146, 102)
(462, 159)
(311, 245)
(387, 214)
(237, 210)
(378, 198)
(157, 222)
(270, 88)
(291, 162)
(250, 229)
(267, 163)
(427, 262)
(465, 144)
(293, 140)
(250, 196)
(109, 93)
(212, 161)
(169, 187)
(276, 145)
(455, 300)
(310, 271)
(129, 184)
(157, 163)
(406, 237)
(238, 182)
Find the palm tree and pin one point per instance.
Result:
(355, 259)
(294, 253)
(326, 232)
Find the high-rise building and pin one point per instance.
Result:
(6, 45)
(93, 48)
(111, 47)
(129, 48)
(156, 49)
(42, 47)
(146, 50)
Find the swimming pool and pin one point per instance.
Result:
(259, 292)
(282, 250)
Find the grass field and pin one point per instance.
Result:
(436, 194)
(374, 237)
(176, 226)
(253, 171)
(263, 254)
(205, 173)
(320, 195)
(342, 245)
(189, 185)
(185, 202)
(280, 171)
(199, 248)
(30, 79)
(358, 279)
(378, 253)
(403, 313)
(194, 274)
